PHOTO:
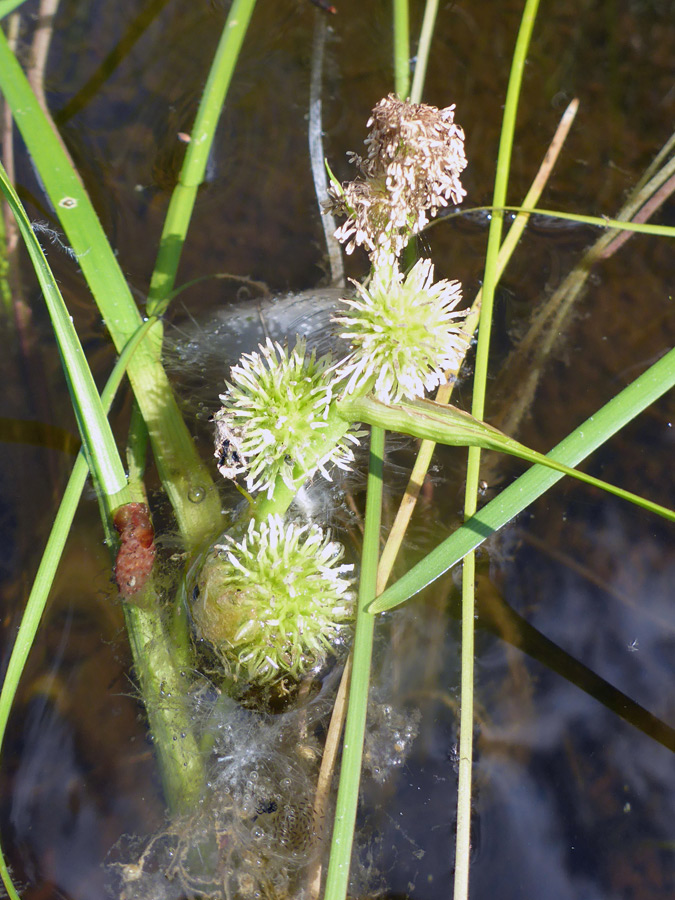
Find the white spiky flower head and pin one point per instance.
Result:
(275, 603)
(402, 333)
(274, 416)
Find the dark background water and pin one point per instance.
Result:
(571, 800)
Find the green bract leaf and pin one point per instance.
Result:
(449, 425)
(647, 388)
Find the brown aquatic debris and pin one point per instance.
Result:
(136, 554)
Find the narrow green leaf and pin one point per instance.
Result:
(667, 231)
(194, 165)
(600, 221)
(91, 419)
(448, 425)
(51, 557)
(179, 465)
(8, 6)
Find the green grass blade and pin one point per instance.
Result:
(610, 419)
(497, 220)
(68, 196)
(96, 435)
(8, 6)
(597, 221)
(55, 544)
(337, 878)
(490, 278)
(7, 879)
(49, 563)
(179, 465)
(194, 165)
(39, 594)
(35, 607)
(401, 49)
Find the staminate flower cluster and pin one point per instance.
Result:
(401, 333)
(275, 603)
(273, 416)
(412, 168)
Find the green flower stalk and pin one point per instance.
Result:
(275, 604)
(402, 334)
(273, 418)
(278, 426)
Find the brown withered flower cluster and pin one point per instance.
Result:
(412, 168)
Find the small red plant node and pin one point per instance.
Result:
(136, 553)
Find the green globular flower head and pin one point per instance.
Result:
(276, 603)
(402, 334)
(272, 417)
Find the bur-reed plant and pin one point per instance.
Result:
(380, 381)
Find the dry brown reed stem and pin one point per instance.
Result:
(38, 61)
(42, 40)
(20, 314)
(643, 215)
(11, 229)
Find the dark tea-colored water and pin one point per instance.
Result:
(574, 787)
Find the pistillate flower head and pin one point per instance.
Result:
(401, 333)
(275, 407)
(412, 168)
(275, 603)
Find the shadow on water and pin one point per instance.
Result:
(575, 795)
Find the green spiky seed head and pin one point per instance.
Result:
(273, 418)
(276, 603)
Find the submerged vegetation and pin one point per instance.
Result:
(252, 651)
